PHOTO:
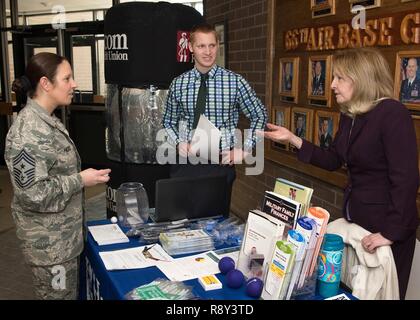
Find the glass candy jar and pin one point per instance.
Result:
(132, 204)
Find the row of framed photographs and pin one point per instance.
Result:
(322, 8)
(406, 80)
(301, 121)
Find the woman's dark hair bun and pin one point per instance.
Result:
(26, 83)
(21, 85)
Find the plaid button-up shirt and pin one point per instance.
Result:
(228, 93)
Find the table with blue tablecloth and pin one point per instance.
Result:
(97, 283)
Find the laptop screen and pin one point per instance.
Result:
(181, 198)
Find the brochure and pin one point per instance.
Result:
(295, 192)
(262, 231)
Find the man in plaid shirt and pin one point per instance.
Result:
(227, 93)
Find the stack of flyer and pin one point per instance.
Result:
(262, 231)
(279, 272)
(321, 218)
(296, 192)
(282, 208)
(108, 234)
(187, 241)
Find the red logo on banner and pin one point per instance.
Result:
(183, 53)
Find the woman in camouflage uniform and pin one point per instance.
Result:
(47, 180)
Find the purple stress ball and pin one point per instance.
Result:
(254, 287)
(234, 279)
(226, 264)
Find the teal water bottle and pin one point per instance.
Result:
(329, 268)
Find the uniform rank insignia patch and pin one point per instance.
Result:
(24, 169)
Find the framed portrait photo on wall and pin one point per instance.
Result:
(280, 116)
(319, 80)
(322, 8)
(326, 125)
(221, 53)
(407, 78)
(301, 123)
(367, 4)
(289, 79)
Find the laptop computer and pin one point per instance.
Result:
(190, 198)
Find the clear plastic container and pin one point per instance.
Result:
(132, 204)
(142, 111)
(308, 290)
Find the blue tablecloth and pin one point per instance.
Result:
(98, 283)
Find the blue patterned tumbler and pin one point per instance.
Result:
(329, 269)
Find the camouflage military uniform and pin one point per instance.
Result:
(48, 192)
(59, 282)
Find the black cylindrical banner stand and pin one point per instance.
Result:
(146, 45)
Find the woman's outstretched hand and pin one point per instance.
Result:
(282, 135)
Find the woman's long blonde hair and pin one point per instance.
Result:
(371, 77)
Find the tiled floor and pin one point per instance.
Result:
(15, 277)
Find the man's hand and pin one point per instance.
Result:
(373, 241)
(184, 149)
(234, 156)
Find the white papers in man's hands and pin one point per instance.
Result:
(135, 258)
(107, 234)
(206, 140)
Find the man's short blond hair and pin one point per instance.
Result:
(203, 28)
(371, 77)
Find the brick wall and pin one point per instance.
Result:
(246, 54)
(246, 37)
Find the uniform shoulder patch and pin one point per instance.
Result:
(24, 169)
